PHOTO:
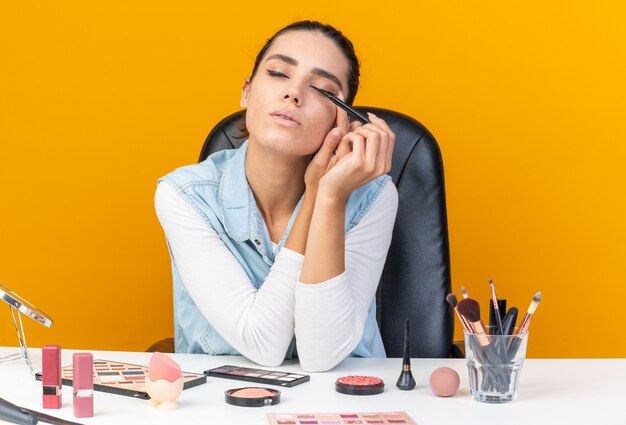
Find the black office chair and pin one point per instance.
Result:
(416, 276)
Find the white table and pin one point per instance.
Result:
(568, 392)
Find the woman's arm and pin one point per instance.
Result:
(257, 323)
(363, 154)
(330, 316)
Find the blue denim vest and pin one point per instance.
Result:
(217, 189)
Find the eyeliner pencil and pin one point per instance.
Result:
(349, 109)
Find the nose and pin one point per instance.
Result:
(294, 93)
(293, 97)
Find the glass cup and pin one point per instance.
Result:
(494, 363)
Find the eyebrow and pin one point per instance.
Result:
(318, 71)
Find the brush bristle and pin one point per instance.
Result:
(464, 292)
(534, 303)
(451, 298)
(470, 309)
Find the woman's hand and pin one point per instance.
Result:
(325, 158)
(363, 154)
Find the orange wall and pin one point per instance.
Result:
(99, 99)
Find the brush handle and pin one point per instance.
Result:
(493, 321)
(509, 321)
(15, 414)
(523, 327)
(487, 357)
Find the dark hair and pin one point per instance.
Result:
(332, 33)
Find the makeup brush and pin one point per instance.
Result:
(508, 324)
(451, 299)
(406, 381)
(464, 292)
(343, 105)
(496, 309)
(470, 309)
(525, 324)
(523, 327)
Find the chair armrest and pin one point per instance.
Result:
(457, 350)
(163, 346)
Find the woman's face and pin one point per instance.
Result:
(283, 112)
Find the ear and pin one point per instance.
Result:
(245, 91)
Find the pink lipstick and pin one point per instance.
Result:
(82, 366)
(51, 376)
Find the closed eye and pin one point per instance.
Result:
(317, 90)
(273, 73)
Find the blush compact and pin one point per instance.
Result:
(359, 385)
(252, 397)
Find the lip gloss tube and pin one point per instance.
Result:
(51, 376)
(82, 366)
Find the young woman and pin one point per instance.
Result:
(286, 236)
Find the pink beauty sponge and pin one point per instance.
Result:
(444, 382)
(163, 367)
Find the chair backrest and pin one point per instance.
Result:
(416, 277)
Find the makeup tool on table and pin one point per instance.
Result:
(444, 382)
(124, 378)
(470, 309)
(464, 292)
(480, 341)
(495, 311)
(339, 418)
(350, 110)
(359, 385)
(82, 371)
(164, 382)
(494, 358)
(406, 381)
(261, 376)
(508, 323)
(451, 299)
(21, 415)
(51, 376)
(18, 305)
(252, 397)
(524, 325)
(492, 315)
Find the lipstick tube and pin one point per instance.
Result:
(51, 376)
(82, 366)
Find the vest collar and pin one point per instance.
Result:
(235, 197)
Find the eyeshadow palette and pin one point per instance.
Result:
(123, 378)
(339, 418)
(262, 376)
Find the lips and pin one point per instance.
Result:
(285, 117)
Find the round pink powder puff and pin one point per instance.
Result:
(444, 382)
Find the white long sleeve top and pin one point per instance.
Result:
(327, 318)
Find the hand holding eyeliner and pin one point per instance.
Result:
(343, 105)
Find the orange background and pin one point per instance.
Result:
(99, 99)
